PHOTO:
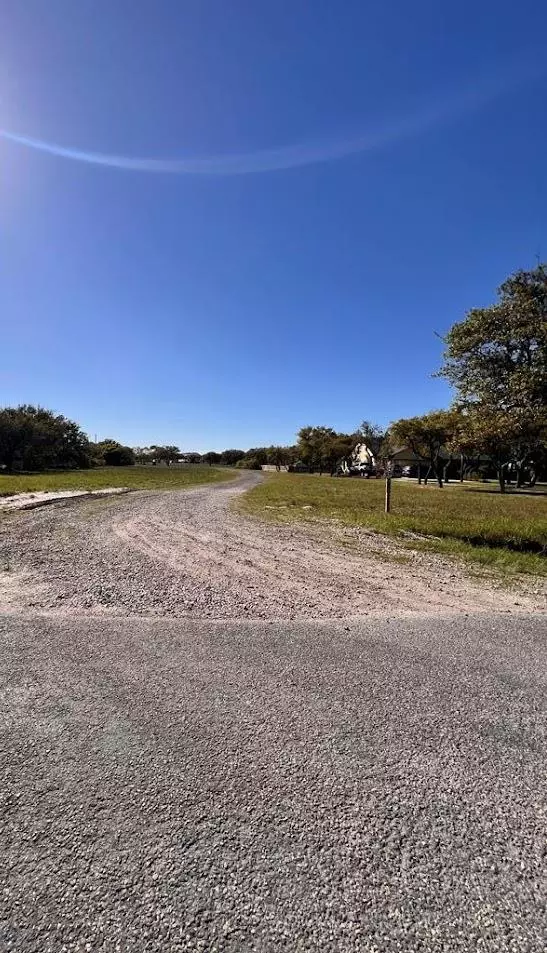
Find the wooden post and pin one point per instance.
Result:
(388, 490)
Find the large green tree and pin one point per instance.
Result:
(322, 448)
(496, 359)
(498, 355)
(33, 438)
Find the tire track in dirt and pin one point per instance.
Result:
(190, 553)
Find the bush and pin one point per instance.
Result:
(249, 463)
(33, 438)
(119, 457)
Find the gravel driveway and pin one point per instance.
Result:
(347, 787)
(174, 783)
(189, 553)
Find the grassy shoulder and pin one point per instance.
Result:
(472, 521)
(137, 478)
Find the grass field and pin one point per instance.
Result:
(138, 478)
(474, 521)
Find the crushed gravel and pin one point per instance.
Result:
(168, 785)
(190, 553)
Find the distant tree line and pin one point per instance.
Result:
(495, 360)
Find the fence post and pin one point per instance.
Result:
(388, 488)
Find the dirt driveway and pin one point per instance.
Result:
(191, 554)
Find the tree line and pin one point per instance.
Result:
(34, 438)
(495, 360)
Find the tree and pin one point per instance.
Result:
(166, 454)
(33, 438)
(110, 453)
(193, 457)
(373, 436)
(312, 446)
(426, 436)
(255, 458)
(211, 457)
(510, 438)
(230, 457)
(321, 448)
(278, 456)
(143, 455)
(496, 358)
(498, 355)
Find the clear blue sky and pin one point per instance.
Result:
(229, 310)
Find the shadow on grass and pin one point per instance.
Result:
(510, 491)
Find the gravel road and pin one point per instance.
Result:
(170, 785)
(189, 553)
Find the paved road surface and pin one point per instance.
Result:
(174, 785)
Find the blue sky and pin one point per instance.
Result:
(229, 310)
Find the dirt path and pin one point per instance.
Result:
(189, 553)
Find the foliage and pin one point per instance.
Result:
(498, 355)
(143, 455)
(33, 438)
(373, 436)
(276, 456)
(165, 454)
(110, 453)
(119, 457)
(322, 448)
(496, 358)
(211, 458)
(249, 463)
(426, 436)
(229, 458)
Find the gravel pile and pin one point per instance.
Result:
(190, 553)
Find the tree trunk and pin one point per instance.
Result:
(419, 474)
(436, 466)
(520, 475)
(501, 478)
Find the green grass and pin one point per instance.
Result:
(138, 478)
(473, 521)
